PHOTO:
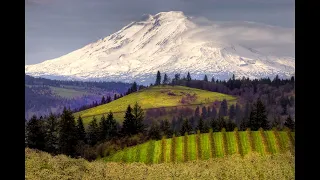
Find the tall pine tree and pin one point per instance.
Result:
(223, 110)
(67, 134)
(232, 112)
(93, 132)
(165, 79)
(158, 79)
(165, 128)
(81, 133)
(186, 127)
(258, 117)
(205, 78)
(188, 77)
(289, 123)
(200, 125)
(36, 134)
(51, 134)
(204, 113)
(128, 127)
(111, 126)
(138, 116)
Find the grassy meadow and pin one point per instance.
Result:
(155, 97)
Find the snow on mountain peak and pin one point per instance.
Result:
(172, 43)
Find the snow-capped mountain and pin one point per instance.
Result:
(173, 43)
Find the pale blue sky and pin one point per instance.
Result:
(57, 27)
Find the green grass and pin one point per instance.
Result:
(218, 144)
(205, 147)
(192, 147)
(258, 142)
(245, 144)
(155, 97)
(67, 93)
(41, 165)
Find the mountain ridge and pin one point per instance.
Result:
(174, 43)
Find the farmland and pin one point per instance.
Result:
(203, 146)
(41, 165)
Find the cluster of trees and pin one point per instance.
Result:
(277, 95)
(63, 134)
(68, 136)
(216, 120)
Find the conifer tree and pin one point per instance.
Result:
(214, 125)
(289, 123)
(165, 128)
(258, 117)
(93, 132)
(103, 100)
(138, 116)
(197, 112)
(223, 110)
(205, 78)
(108, 99)
(111, 127)
(221, 123)
(154, 131)
(188, 77)
(158, 79)
(103, 129)
(232, 112)
(67, 134)
(204, 113)
(36, 134)
(238, 116)
(128, 127)
(214, 112)
(200, 125)
(186, 127)
(209, 111)
(81, 133)
(165, 79)
(51, 134)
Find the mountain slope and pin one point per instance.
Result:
(43, 96)
(155, 97)
(173, 43)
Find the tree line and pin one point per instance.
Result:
(65, 135)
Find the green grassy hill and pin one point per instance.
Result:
(156, 97)
(206, 146)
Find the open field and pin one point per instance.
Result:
(68, 93)
(202, 147)
(41, 165)
(156, 97)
